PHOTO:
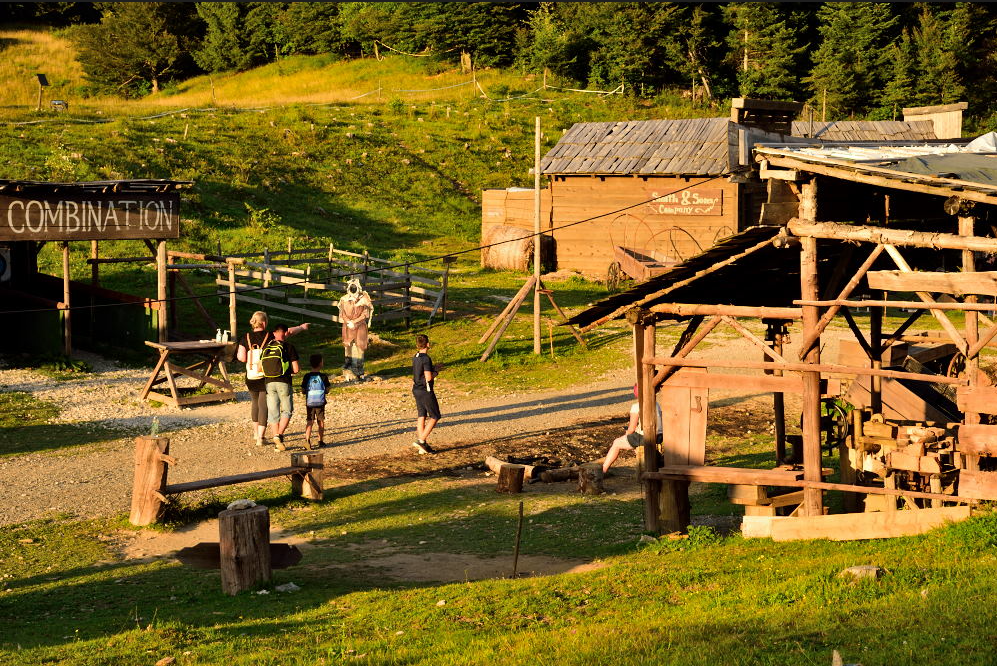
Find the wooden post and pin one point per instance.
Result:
(151, 456)
(656, 492)
(171, 292)
(67, 322)
(536, 239)
(775, 335)
(408, 298)
(308, 484)
(447, 262)
(231, 300)
(161, 317)
(812, 497)
(510, 479)
(244, 545)
(94, 267)
(966, 228)
(876, 359)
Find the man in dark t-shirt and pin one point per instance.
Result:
(423, 381)
(280, 397)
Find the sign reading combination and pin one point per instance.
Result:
(90, 217)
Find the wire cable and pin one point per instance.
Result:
(405, 264)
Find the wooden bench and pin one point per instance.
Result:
(150, 488)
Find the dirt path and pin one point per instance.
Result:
(369, 426)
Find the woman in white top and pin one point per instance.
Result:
(634, 435)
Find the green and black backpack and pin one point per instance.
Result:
(272, 360)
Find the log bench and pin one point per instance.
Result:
(150, 488)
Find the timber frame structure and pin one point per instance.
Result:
(806, 273)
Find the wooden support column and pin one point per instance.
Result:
(813, 501)
(94, 266)
(67, 319)
(161, 315)
(652, 487)
(774, 333)
(876, 357)
(244, 545)
(536, 240)
(966, 228)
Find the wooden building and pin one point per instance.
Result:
(45, 313)
(898, 228)
(664, 190)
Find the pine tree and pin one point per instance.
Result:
(899, 89)
(767, 50)
(850, 67)
(136, 44)
(225, 46)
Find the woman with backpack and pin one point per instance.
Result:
(249, 351)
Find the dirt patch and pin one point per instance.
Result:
(453, 567)
(150, 544)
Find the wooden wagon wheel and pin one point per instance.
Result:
(834, 423)
(614, 276)
(957, 366)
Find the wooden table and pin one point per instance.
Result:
(212, 357)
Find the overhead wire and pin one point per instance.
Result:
(405, 264)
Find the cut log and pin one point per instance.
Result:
(510, 479)
(244, 546)
(590, 479)
(531, 473)
(151, 454)
(559, 474)
(308, 482)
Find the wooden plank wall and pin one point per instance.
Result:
(588, 247)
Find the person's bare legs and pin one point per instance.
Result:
(321, 431)
(425, 427)
(282, 424)
(308, 433)
(620, 444)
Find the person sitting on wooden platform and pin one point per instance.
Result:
(633, 437)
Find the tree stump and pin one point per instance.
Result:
(510, 479)
(590, 479)
(244, 545)
(151, 454)
(308, 484)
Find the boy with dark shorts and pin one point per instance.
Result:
(423, 378)
(315, 385)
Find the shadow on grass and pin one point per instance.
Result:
(35, 438)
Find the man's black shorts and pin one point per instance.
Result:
(425, 402)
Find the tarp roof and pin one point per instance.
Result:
(131, 186)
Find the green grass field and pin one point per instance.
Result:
(283, 152)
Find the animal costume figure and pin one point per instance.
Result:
(356, 312)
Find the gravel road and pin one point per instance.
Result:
(365, 420)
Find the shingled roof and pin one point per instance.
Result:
(694, 147)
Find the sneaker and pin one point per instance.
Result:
(278, 442)
(258, 441)
(423, 447)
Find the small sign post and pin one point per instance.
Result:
(42, 83)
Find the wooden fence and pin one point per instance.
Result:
(309, 282)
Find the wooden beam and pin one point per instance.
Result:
(959, 284)
(945, 322)
(907, 305)
(895, 237)
(977, 399)
(753, 339)
(67, 312)
(686, 349)
(645, 397)
(760, 312)
(810, 340)
(805, 367)
(509, 316)
(766, 383)
(850, 173)
(813, 502)
(879, 525)
(681, 283)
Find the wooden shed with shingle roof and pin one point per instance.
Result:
(664, 189)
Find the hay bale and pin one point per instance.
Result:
(515, 252)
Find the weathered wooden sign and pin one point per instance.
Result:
(692, 201)
(90, 216)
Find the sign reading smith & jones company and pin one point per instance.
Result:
(69, 216)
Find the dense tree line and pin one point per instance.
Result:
(848, 58)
